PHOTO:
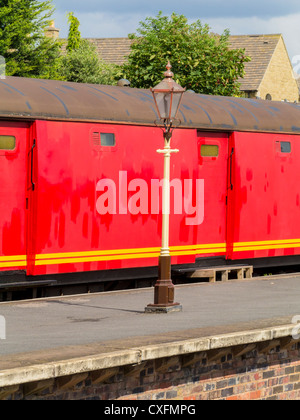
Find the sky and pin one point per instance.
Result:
(118, 18)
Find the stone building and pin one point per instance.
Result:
(269, 74)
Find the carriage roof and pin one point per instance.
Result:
(31, 99)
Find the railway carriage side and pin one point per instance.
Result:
(264, 199)
(81, 180)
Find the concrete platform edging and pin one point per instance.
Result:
(250, 337)
(135, 356)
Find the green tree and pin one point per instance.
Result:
(28, 53)
(83, 65)
(74, 36)
(81, 62)
(201, 61)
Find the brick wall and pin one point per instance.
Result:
(268, 370)
(279, 80)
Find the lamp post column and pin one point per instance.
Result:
(164, 288)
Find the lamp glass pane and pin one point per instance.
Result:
(175, 104)
(163, 101)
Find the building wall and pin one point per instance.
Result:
(266, 370)
(279, 80)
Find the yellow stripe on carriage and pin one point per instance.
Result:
(95, 258)
(139, 253)
(263, 245)
(13, 258)
(13, 264)
(97, 253)
(125, 254)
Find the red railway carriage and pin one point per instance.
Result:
(80, 180)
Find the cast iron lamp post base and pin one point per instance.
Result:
(164, 290)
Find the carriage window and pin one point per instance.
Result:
(7, 142)
(209, 150)
(285, 146)
(108, 139)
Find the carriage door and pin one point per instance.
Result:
(13, 161)
(213, 168)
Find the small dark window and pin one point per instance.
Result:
(108, 139)
(7, 142)
(285, 147)
(209, 150)
(102, 141)
(268, 97)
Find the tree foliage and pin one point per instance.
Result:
(201, 61)
(83, 65)
(27, 52)
(74, 36)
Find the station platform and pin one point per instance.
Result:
(97, 318)
(89, 331)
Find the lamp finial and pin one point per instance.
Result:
(168, 73)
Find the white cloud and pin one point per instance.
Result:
(100, 25)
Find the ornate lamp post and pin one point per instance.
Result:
(167, 97)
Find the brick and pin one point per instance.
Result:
(160, 396)
(284, 380)
(255, 395)
(227, 392)
(240, 389)
(232, 381)
(210, 386)
(245, 379)
(222, 384)
(261, 384)
(258, 376)
(277, 389)
(272, 382)
(232, 398)
(171, 394)
(268, 374)
(214, 395)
